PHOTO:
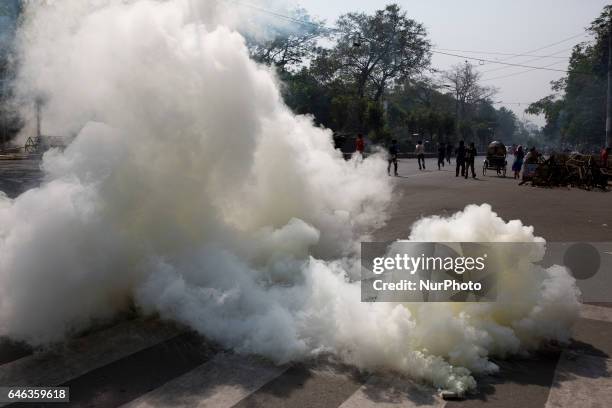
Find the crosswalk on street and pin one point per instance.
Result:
(148, 363)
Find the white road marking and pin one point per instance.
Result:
(220, 383)
(382, 392)
(59, 364)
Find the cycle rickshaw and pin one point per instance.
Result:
(496, 159)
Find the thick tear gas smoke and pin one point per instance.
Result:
(195, 193)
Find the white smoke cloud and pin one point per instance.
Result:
(193, 191)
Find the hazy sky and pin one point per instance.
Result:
(501, 26)
(8, 13)
(507, 26)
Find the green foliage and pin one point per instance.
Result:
(576, 113)
(507, 124)
(287, 47)
(369, 80)
(376, 50)
(304, 95)
(375, 119)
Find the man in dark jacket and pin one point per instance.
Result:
(441, 155)
(470, 157)
(460, 158)
(392, 158)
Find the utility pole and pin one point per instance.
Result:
(609, 93)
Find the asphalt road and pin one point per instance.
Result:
(17, 176)
(146, 363)
(559, 214)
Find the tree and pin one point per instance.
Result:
(552, 109)
(288, 48)
(305, 95)
(463, 81)
(576, 112)
(370, 80)
(374, 51)
(506, 125)
(418, 106)
(473, 110)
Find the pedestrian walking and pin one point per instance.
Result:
(519, 155)
(460, 158)
(441, 155)
(392, 157)
(449, 152)
(470, 158)
(420, 153)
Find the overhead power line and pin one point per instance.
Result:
(537, 58)
(556, 43)
(529, 103)
(546, 46)
(501, 62)
(521, 72)
(509, 63)
(283, 16)
(532, 60)
(512, 103)
(499, 53)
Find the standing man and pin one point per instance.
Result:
(460, 158)
(441, 155)
(420, 153)
(470, 157)
(449, 152)
(392, 158)
(360, 145)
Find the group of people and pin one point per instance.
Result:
(465, 157)
(445, 151)
(392, 154)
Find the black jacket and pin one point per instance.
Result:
(470, 154)
(460, 153)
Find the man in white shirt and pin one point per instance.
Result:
(420, 153)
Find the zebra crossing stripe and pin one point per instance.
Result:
(220, 383)
(315, 384)
(379, 392)
(60, 364)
